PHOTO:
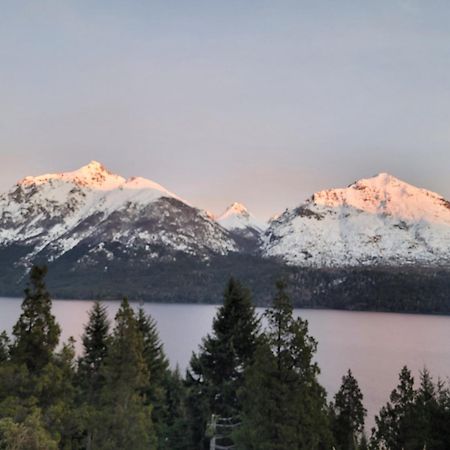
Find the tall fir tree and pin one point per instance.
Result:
(175, 434)
(425, 410)
(125, 417)
(348, 414)
(37, 379)
(395, 419)
(216, 372)
(59, 398)
(159, 374)
(153, 350)
(95, 341)
(36, 332)
(284, 406)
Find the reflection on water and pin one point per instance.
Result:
(374, 345)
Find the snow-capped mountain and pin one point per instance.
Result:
(106, 236)
(376, 221)
(237, 218)
(99, 215)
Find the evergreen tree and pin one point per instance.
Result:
(216, 373)
(348, 414)
(95, 341)
(284, 406)
(165, 392)
(158, 369)
(125, 418)
(176, 436)
(153, 352)
(35, 376)
(36, 332)
(441, 418)
(415, 419)
(395, 419)
(58, 399)
(430, 416)
(95, 346)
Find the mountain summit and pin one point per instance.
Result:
(385, 194)
(94, 216)
(93, 175)
(237, 217)
(380, 220)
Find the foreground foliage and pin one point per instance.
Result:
(216, 372)
(415, 418)
(260, 381)
(284, 406)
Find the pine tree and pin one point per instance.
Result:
(441, 418)
(90, 378)
(159, 374)
(58, 398)
(36, 332)
(284, 406)
(176, 436)
(35, 379)
(415, 419)
(216, 373)
(95, 346)
(154, 355)
(348, 414)
(125, 418)
(394, 421)
(427, 415)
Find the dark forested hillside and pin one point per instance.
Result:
(188, 279)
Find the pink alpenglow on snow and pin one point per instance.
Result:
(237, 217)
(375, 221)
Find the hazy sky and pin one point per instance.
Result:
(262, 102)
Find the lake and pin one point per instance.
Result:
(374, 345)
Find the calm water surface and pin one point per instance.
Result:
(374, 345)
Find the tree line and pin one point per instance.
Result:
(253, 384)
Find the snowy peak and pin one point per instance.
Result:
(91, 207)
(374, 221)
(95, 178)
(96, 175)
(237, 217)
(235, 209)
(386, 194)
(92, 176)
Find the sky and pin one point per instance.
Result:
(261, 102)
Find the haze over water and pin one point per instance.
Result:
(373, 345)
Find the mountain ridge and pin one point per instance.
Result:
(103, 235)
(56, 212)
(376, 220)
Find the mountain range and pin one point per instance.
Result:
(106, 236)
